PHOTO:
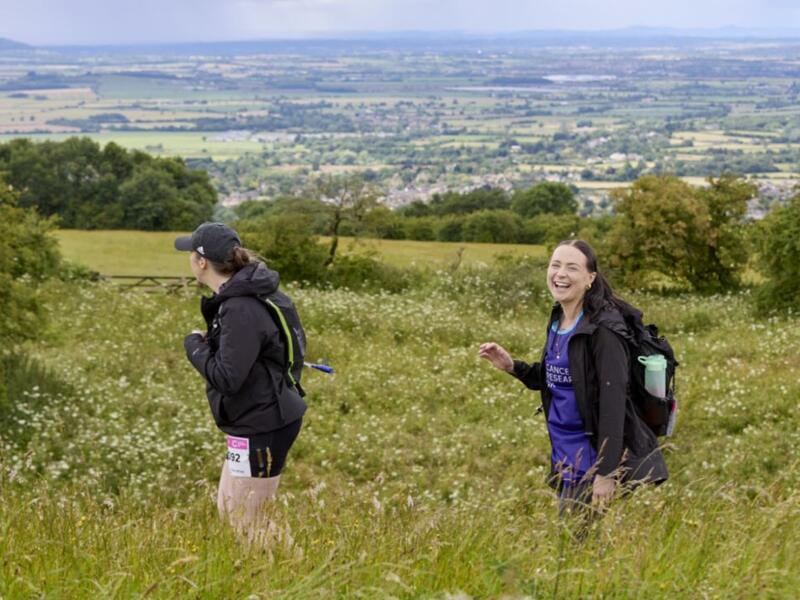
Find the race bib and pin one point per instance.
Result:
(238, 456)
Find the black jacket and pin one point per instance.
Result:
(243, 358)
(599, 365)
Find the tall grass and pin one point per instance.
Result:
(419, 471)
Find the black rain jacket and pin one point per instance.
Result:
(599, 364)
(243, 357)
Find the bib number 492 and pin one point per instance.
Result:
(237, 457)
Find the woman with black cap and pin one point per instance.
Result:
(242, 355)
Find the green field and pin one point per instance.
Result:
(403, 253)
(419, 472)
(190, 144)
(152, 253)
(271, 120)
(125, 252)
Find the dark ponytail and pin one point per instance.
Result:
(237, 258)
(600, 296)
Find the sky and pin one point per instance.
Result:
(52, 22)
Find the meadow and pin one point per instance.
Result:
(188, 144)
(152, 253)
(419, 472)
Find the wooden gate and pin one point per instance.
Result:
(154, 283)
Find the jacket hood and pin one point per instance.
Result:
(251, 280)
(611, 318)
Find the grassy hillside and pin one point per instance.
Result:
(124, 252)
(152, 253)
(419, 471)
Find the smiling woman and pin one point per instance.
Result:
(598, 439)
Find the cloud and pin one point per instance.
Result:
(126, 21)
(113, 21)
(509, 15)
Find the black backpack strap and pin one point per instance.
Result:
(286, 333)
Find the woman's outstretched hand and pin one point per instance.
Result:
(497, 355)
(603, 489)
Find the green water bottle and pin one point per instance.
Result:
(655, 374)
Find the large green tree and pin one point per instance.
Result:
(545, 198)
(779, 246)
(692, 236)
(90, 187)
(28, 254)
(726, 245)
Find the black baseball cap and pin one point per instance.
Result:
(213, 241)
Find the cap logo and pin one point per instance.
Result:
(200, 250)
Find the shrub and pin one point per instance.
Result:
(287, 244)
(381, 222)
(547, 197)
(467, 202)
(367, 273)
(420, 228)
(28, 255)
(513, 282)
(595, 230)
(492, 226)
(451, 229)
(549, 229)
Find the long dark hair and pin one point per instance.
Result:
(600, 296)
(238, 258)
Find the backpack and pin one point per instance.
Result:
(657, 413)
(283, 312)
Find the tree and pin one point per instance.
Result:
(451, 229)
(547, 197)
(148, 199)
(287, 244)
(492, 226)
(468, 202)
(89, 187)
(727, 250)
(656, 228)
(692, 236)
(382, 222)
(420, 228)
(417, 208)
(28, 255)
(549, 229)
(779, 248)
(350, 198)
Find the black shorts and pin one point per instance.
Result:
(268, 451)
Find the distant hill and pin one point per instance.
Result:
(453, 40)
(6, 44)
